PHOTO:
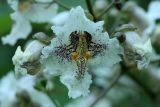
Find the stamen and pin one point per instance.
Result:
(87, 55)
(74, 56)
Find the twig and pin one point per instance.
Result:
(108, 8)
(105, 91)
(144, 87)
(90, 9)
(57, 2)
(61, 4)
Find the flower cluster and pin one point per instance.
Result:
(79, 51)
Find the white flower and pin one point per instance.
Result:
(10, 87)
(145, 51)
(145, 21)
(20, 29)
(60, 19)
(140, 50)
(85, 102)
(25, 13)
(78, 43)
(28, 61)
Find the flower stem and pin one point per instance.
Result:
(90, 9)
(57, 2)
(61, 4)
(105, 91)
(108, 8)
(54, 101)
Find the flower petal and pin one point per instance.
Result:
(22, 59)
(110, 56)
(154, 9)
(20, 29)
(41, 13)
(76, 87)
(13, 4)
(52, 63)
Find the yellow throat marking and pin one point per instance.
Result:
(82, 52)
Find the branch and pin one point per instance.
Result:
(90, 9)
(142, 85)
(105, 91)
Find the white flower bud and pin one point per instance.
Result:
(100, 4)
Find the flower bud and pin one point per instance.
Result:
(100, 4)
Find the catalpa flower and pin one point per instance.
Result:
(19, 92)
(27, 62)
(79, 43)
(145, 21)
(136, 49)
(25, 12)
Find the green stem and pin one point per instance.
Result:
(90, 9)
(114, 2)
(61, 4)
(57, 2)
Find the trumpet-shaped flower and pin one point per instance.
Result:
(137, 50)
(78, 43)
(28, 61)
(26, 12)
(15, 92)
(144, 50)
